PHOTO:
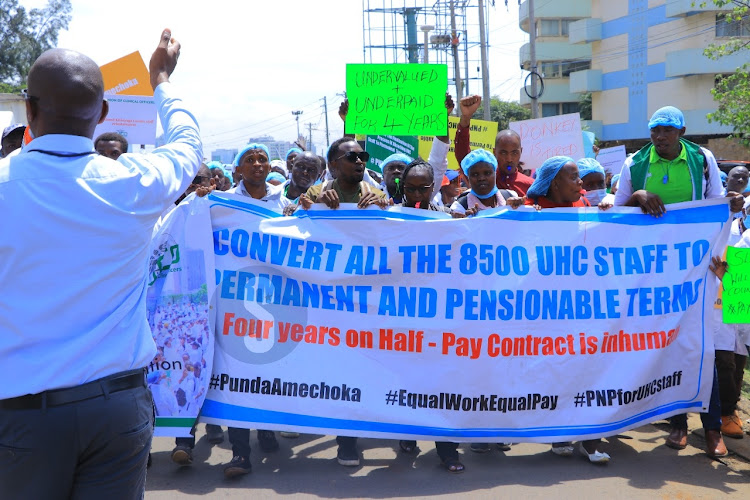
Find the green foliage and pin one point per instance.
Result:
(732, 92)
(24, 35)
(8, 88)
(584, 106)
(504, 112)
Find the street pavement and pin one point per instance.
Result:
(306, 467)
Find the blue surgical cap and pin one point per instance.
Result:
(214, 164)
(588, 166)
(478, 156)
(723, 177)
(248, 148)
(292, 150)
(396, 157)
(275, 176)
(668, 116)
(545, 174)
(615, 180)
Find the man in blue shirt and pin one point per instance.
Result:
(76, 417)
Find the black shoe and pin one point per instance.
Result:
(182, 455)
(348, 455)
(480, 447)
(267, 441)
(148, 464)
(503, 446)
(239, 466)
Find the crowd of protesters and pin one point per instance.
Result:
(64, 105)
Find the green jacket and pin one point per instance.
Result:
(696, 160)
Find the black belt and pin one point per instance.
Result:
(102, 387)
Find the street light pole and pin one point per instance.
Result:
(485, 67)
(296, 117)
(426, 29)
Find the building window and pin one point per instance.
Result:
(725, 28)
(554, 27)
(564, 24)
(551, 69)
(570, 107)
(550, 109)
(563, 69)
(550, 27)
(559, 108)
(573, 66)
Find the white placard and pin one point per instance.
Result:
(133, 116)
(612, 159)
(547, 137)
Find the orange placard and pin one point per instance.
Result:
(127, 76)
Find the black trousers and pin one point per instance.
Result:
(91, 449)
(445, 450)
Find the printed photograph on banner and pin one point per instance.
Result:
(180, 320)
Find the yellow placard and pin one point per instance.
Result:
(127, 76)
(482, 136)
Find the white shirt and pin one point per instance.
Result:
(473, 200)
(439, 160)
(74, 253)
(274, 195)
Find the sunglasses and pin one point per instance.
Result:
(353, 156)
(417, 189)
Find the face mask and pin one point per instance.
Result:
(488, 195)
(595, 196)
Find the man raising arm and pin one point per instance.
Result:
(74, 338)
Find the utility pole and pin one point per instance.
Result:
(532, 63)
(325, 112)
(426, 30)
(485, 68)
(309, 135)
(296, 117)
(454, 50)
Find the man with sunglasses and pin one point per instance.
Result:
(76, 415)
(347, 161)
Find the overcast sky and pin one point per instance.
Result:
(245, 66)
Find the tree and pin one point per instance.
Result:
(732, 92)
(584, 106)
(24, 35)
(504, 112)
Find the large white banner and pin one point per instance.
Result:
(512, 326)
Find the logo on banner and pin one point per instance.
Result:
(257, 329)
(163, 259)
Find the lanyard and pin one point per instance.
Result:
(61, 155)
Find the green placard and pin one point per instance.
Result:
(735, 299)
(381, 147)
(397, 99)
